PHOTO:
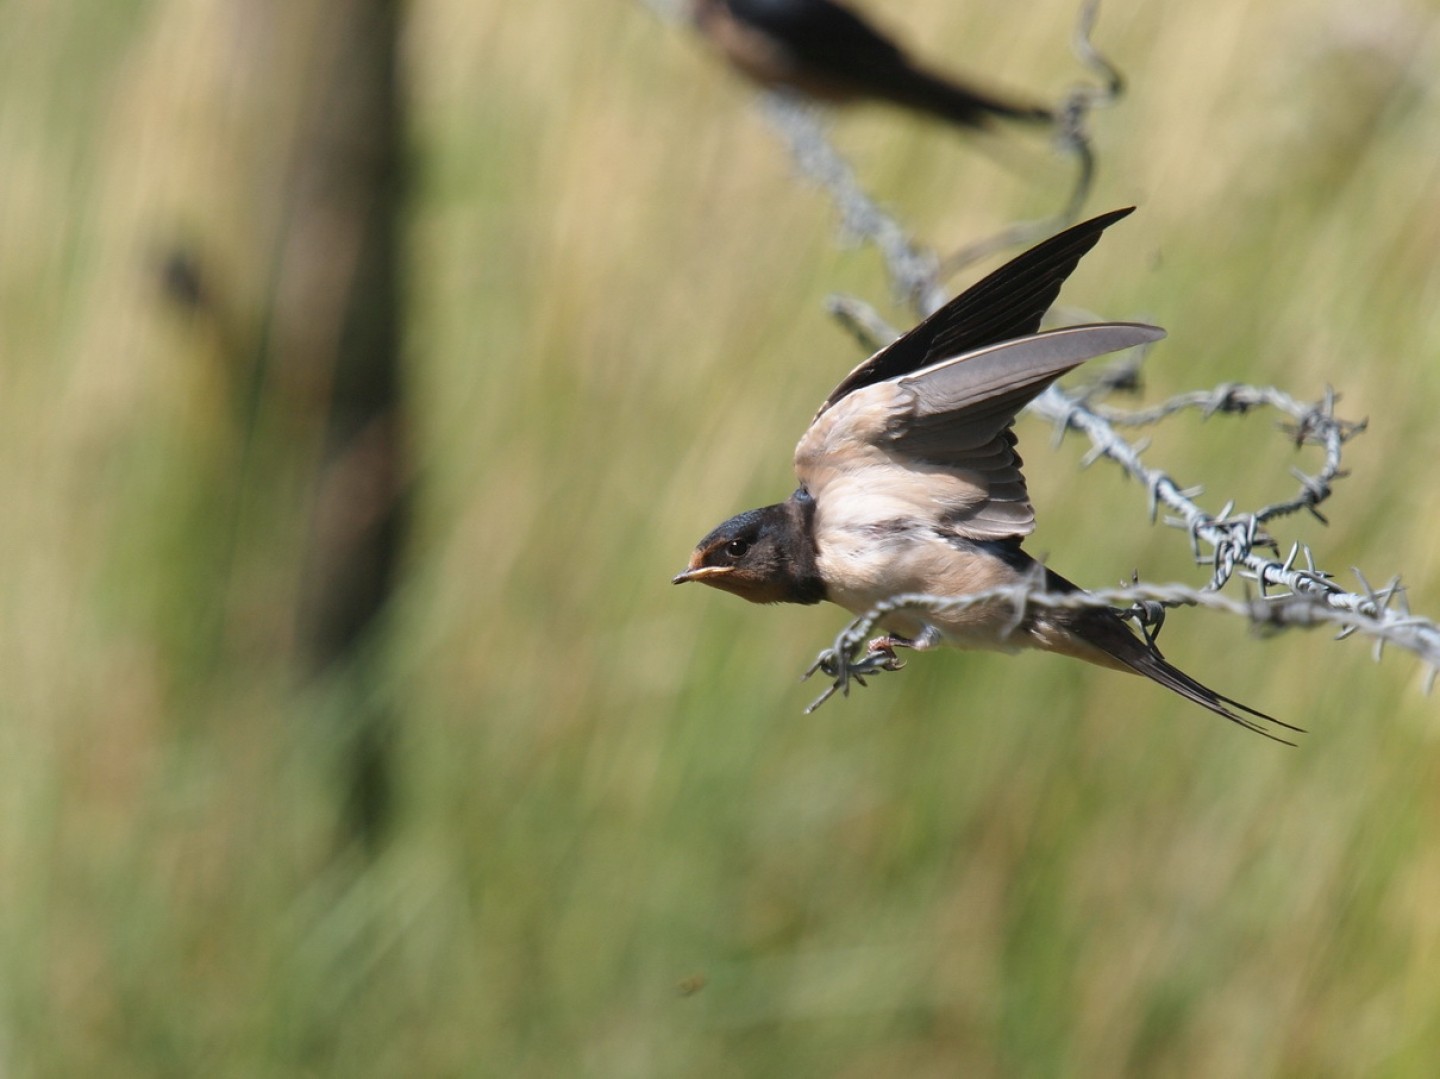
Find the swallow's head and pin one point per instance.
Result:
(764, 555)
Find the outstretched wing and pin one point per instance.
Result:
(937, 443)
(1005, 305)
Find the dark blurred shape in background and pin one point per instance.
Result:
(829, 51)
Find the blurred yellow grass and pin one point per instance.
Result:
(982, 866)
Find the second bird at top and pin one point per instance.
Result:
(826, 50)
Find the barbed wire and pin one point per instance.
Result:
(1071, 138)
(1235, 538)
(913, 269)
(916, 272)
(1382, 614)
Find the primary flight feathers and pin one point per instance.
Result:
(1009, 303)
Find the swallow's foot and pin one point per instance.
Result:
(842, 664)
(1148, 616)
(886, 646)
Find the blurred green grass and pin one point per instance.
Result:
(607, 791)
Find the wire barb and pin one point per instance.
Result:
(1146, 604)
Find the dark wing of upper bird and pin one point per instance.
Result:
(824, 36)
(1009, 303)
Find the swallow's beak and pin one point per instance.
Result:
(699, 573)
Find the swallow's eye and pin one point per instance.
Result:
(737, 548)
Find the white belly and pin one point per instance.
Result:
(865, 566)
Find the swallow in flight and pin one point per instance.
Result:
(827, 51)
(910, 483)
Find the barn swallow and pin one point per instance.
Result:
(827, 51)
(910, 483)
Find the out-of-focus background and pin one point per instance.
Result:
(517, 806)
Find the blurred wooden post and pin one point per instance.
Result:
(334, 351)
